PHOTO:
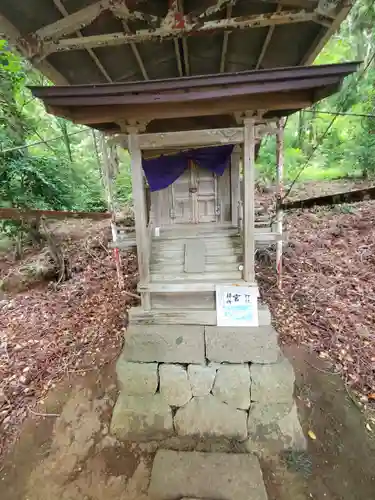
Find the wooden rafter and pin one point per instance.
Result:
(71, 22)
(135, 51)
(225, 41)
(13, 36)
(266, 42)
(188, 29)
(178, 57)
(59, 5)
(83, 17)
(320, 40)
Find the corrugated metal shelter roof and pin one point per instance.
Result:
(172, 104)
(99, 41)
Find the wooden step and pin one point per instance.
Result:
(183, 300)
(219, 276)
(204, 236)
(137, 315)
(173, 267)
(170, 253)
(185, 286)
(178, 258)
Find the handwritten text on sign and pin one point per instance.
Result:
(237, 305)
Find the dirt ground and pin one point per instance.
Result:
(72, 456)
(58, 345)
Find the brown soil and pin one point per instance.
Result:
(54, 329)
(327, 300)
(72, 456)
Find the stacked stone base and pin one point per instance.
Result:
(205, 388)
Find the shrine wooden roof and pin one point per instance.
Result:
(105, 41)
(197, 102)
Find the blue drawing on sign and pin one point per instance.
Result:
(240, 312)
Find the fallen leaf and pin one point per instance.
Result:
(312, 435)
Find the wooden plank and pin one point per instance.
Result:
(184, 286)
(195, 256)
(139, 201)
(210, 137)
(17, 214)
(71, 22)
(182, 300)
(224, 275)
(189, 28)
(231, 104)
(185, 317)
(179, 269)
(235, 183)
(248, 201)
(177, 258)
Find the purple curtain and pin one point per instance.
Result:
(162, 171)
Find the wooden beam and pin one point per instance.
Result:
(188, 29)
(214, 8)
(185, 48)
(225, 42)
(101, 114)
(17, 214)
(64, 12)
(139, 203)
(190, 138)
(13, 36)
(235, 183)
(324, 35)
(266, 42)
(84, 17)
(135, 51)
(71, 22)
(249, 201)
(178, 57)
(280, 191)
(120, 9)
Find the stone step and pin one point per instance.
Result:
(223, 476)
(171, 316)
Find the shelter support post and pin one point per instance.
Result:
(139, 202)
(110, 168)
(248, 201)
(235, 183)
(279, 194)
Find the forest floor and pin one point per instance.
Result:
(52, 332)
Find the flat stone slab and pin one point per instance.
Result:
(165, 344)
(207, 417)
(241, 344)
(141, 418)
(201, 379)
(274, 382)
(274, 426)
(206, 475)
(174, 384)
(232, 386)
(137, 378)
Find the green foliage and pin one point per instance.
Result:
(58, 175)
(348, 149)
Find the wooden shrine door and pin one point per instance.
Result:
(193, 197)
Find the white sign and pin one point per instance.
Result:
(237, 305)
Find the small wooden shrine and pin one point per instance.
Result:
(198, 230)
